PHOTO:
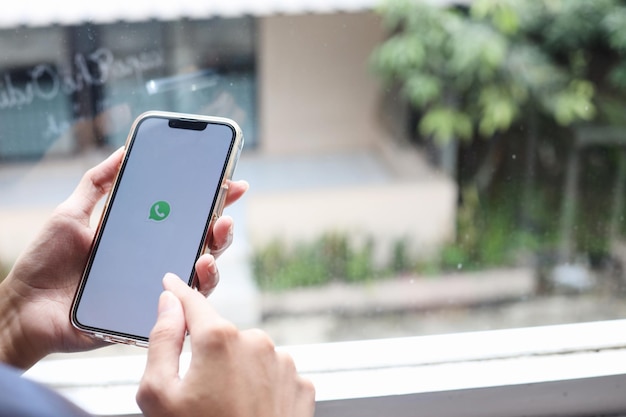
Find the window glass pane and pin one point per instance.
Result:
(52, 96)
(414, 169)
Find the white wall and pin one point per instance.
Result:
(317, 93)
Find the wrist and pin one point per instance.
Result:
(16, 348)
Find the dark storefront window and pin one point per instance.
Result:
(87, 83)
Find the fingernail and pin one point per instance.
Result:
(213, 267)
(167, 302)
(170, 281)
(168, 277)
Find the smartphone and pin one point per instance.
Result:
(170, 188)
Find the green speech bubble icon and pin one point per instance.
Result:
(159, 211)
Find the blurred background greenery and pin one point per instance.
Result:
(528, 97)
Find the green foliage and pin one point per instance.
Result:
(617, 76)
(486, 238)
(274, 267)
(422, 88)
(359, 264)
(498, 110)
(475, 53)
(573, 103)
(469, 224)
(488, 234)
(506, 70)
(501, 14)
(453, 256)
(575, 23)
(445, 123)
(400, 257)
(473, 72)
(615, 26)
(334, 257)
(402, 53)
(330, 258)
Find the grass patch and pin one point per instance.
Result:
(332, 258)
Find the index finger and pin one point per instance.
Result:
(236, 189)
(199, 314)
(166, 339)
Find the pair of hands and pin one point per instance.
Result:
(229, 369)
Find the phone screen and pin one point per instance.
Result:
(156, 222)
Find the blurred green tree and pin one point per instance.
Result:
(473, 71)
(476, 69)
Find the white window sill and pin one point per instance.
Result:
(569, 370)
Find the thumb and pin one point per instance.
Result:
(166, 339)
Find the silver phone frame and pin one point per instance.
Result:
(220, 201)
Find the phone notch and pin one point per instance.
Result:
(187, 124)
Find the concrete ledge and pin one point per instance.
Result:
(409, 293)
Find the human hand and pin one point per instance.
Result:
(232, 373)
(36, 296)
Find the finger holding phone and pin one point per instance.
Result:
(36, 296)
(155, 221)
(232, 373)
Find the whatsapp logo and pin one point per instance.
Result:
(159, 211)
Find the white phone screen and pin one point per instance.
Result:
(156, 223)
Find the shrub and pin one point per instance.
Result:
(332, 257)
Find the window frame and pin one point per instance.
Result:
(563, 370)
